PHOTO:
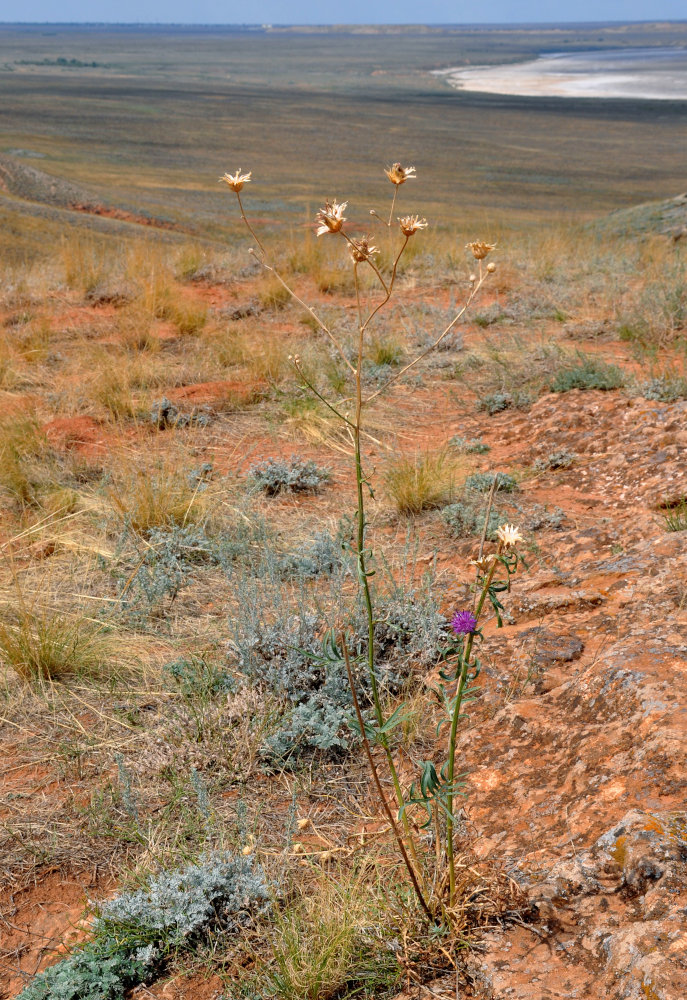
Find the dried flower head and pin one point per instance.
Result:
(331, 217)
(484, 564)
(398, 174)
(463, 623)
(303, 824)
(362, 249)
(235, 181)
(491, 267)
(480, 249)
(508, 535)
(411, 223)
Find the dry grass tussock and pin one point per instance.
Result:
(320, 941)
(27, 466)
(51, 632)
(253, 351)
(43, 644)
(158, 494)
(423, 481)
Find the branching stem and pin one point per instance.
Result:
(316, 392)
(404, 836)
(399, 374)
(299, 300)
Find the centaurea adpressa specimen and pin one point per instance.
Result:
(438, 785)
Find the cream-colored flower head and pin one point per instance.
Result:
(331, 218)
(398, 174)
(235, 181)
(362, 249)
(411, 223)
(484, 564)
(480, 249)
(508, 535)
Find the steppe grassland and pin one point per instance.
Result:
(137, 548)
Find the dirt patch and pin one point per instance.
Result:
(194, 987)
(82, 434)
(39, 923)
(221, 394)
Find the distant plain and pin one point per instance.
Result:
(149, 118)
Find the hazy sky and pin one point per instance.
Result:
(340, 11)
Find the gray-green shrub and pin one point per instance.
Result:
(275, 475)
(588, 373)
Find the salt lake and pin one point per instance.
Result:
(654, 74)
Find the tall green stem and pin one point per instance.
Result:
(451, 770)
(363, 573)
(380, 791)
(363, 577)
(355, 428)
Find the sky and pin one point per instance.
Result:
(339, 11)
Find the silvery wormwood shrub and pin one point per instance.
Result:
(98, 971)
(169, 560)
(176, 906)
(174, 553)
(275, 476)
(322, 556)
(134, 931)
(285, 646)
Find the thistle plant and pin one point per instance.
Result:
(431, 872)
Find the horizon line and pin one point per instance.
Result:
(263, 26)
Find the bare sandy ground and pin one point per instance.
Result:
(654, 74)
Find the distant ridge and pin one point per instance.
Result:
(32, 185)
(668, 218)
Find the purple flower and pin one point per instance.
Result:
(463, 623)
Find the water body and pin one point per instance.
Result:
(653, 74)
